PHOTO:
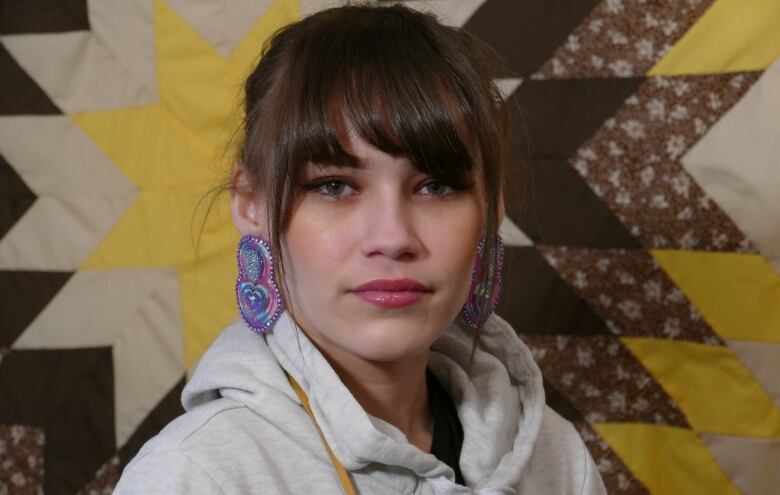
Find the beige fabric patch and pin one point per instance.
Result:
(223, 23)
(139, 316)
(736, 164)
(753, 464)
(78, 71)
(81, 194)
(763, 361)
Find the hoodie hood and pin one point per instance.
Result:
(500, 400)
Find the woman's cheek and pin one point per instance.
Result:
(318, 245)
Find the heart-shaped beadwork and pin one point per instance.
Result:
(484, 291)
(258, 297)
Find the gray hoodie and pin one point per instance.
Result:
(245, 430)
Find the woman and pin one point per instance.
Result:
(373, 160)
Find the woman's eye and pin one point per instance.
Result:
(332, 188)
(435, 188)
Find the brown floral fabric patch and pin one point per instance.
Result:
(622, 38)
(617, 477)
(21, 459)
(633, 162)
(621, 392)
(631, 293)
(105, 479)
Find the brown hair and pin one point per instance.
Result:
(406, 84)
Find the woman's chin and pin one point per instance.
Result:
(388, 341)
(385, 337)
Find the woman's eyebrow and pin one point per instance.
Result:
(357, 163)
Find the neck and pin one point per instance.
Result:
(395, 392)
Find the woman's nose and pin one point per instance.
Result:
(389, 228)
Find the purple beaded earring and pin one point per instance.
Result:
(483, 294)
(258, 297)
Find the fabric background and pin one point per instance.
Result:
(643, 231)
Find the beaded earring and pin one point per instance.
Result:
(259, 300)
(483, 294)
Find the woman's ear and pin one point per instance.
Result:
(247, 209)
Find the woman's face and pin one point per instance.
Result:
(379, 258)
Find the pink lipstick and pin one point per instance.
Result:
(391, 293)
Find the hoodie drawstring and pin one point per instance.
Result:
(349, 489)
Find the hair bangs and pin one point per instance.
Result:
(399, 97)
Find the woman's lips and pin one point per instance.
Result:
(387, 299)
(391, 293)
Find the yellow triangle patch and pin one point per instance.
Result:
(711, 386)
(737, 294)
(667, 460)
(731, 36)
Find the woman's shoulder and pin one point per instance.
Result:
(560, 461)
(211, 449)
(173, 460)
(196, 426)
